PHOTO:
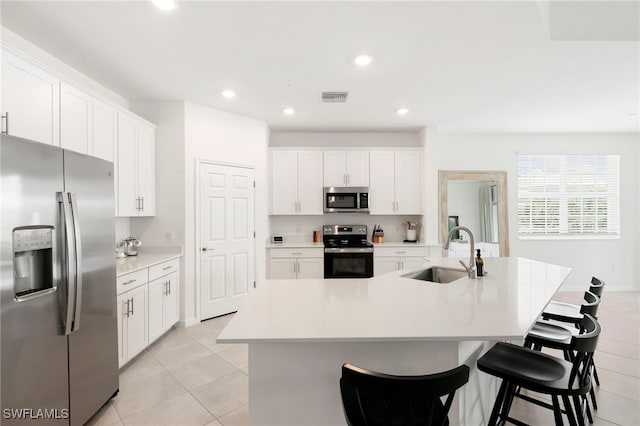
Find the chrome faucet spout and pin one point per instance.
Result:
(471, 268)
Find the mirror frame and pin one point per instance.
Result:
(445, 176)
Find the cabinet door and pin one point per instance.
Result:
(136, 322)
(357, 168)
(335, 168)
(282, 269)
(407, 182)
(284, 182)
(171, 300)
(126, 177)
(382, 265)
(105, 130)
(310, 268)
(75, 119)
(381, 186)
(310, 190)
(31, 97)
(157, 290)
(146, 169)
(410, 263)
(122, 331)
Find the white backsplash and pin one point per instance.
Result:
(123, 228)
(300, 228)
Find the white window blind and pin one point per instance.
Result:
(568, 196)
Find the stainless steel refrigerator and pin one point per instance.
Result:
(58, 284)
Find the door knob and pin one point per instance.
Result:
(206, 249)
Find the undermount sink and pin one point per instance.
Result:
(437, 274)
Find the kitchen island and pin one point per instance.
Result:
(300, 332)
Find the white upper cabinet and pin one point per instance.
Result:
(105, 131)
(30, 101)
(296, 182)
(75, 119)
(136, 167)
(395, 182)
(346, 168)
(146, 169)
(407, 182)
(382, 195)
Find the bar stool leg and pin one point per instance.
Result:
(557, 413)
(569, 409)
(493, 420)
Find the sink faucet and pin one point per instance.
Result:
(471, 268)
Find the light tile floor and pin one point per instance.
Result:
(186, 378)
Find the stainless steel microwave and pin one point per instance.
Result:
(346, 199)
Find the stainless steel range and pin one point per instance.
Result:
(347, 253)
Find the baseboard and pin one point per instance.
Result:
(188, 322)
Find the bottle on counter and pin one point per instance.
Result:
(479, 264)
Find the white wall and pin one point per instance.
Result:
(615, 261)
(215, 135)
(344, 139)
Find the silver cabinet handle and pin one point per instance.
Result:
(169, 285)
(126, 309)
(348, 178)
(164, 288)
(400, 252)
(142, 201)
(297, 253)
(5, 117)
(132, 312)
(167, 267)
(129, 282)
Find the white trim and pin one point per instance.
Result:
(198, 163)
(565, 237)
(188, 322)
(347, 148)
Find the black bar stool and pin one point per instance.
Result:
(521, 367)
(567, 312)
(371, 398)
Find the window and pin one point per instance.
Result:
(568, 196)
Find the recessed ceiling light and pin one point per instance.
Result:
(288, 111)
(228, 94)
(402, 111)
(363, 59)
(165, 4)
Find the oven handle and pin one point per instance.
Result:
(349, 250)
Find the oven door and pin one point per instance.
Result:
(348, 262)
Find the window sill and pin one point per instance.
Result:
(568, 237)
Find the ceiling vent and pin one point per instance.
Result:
(334, 96)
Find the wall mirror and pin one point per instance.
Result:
(477, 200)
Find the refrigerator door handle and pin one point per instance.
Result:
(78, 260)
(69, 259)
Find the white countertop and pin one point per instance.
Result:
(146, 257)
(400, 244)
(502, 305)
(296, 245)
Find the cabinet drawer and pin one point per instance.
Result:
(276, 253)
(400, 251)
(164, 268)
(130, 281)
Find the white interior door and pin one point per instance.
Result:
(227, 242)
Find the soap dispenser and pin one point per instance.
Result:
(479, 264)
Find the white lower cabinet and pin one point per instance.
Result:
(132, 323)
(292, 263)
(389, 259)
(147, 307)
(163, 304)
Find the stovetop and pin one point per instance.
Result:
(346, 242)
(340, 236)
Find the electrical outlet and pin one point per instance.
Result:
(169, 237)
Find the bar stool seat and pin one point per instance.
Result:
(569, 312)
(551, 335)
(524, 368)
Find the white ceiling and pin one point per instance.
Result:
(461, 66)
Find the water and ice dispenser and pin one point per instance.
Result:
(32, 261)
